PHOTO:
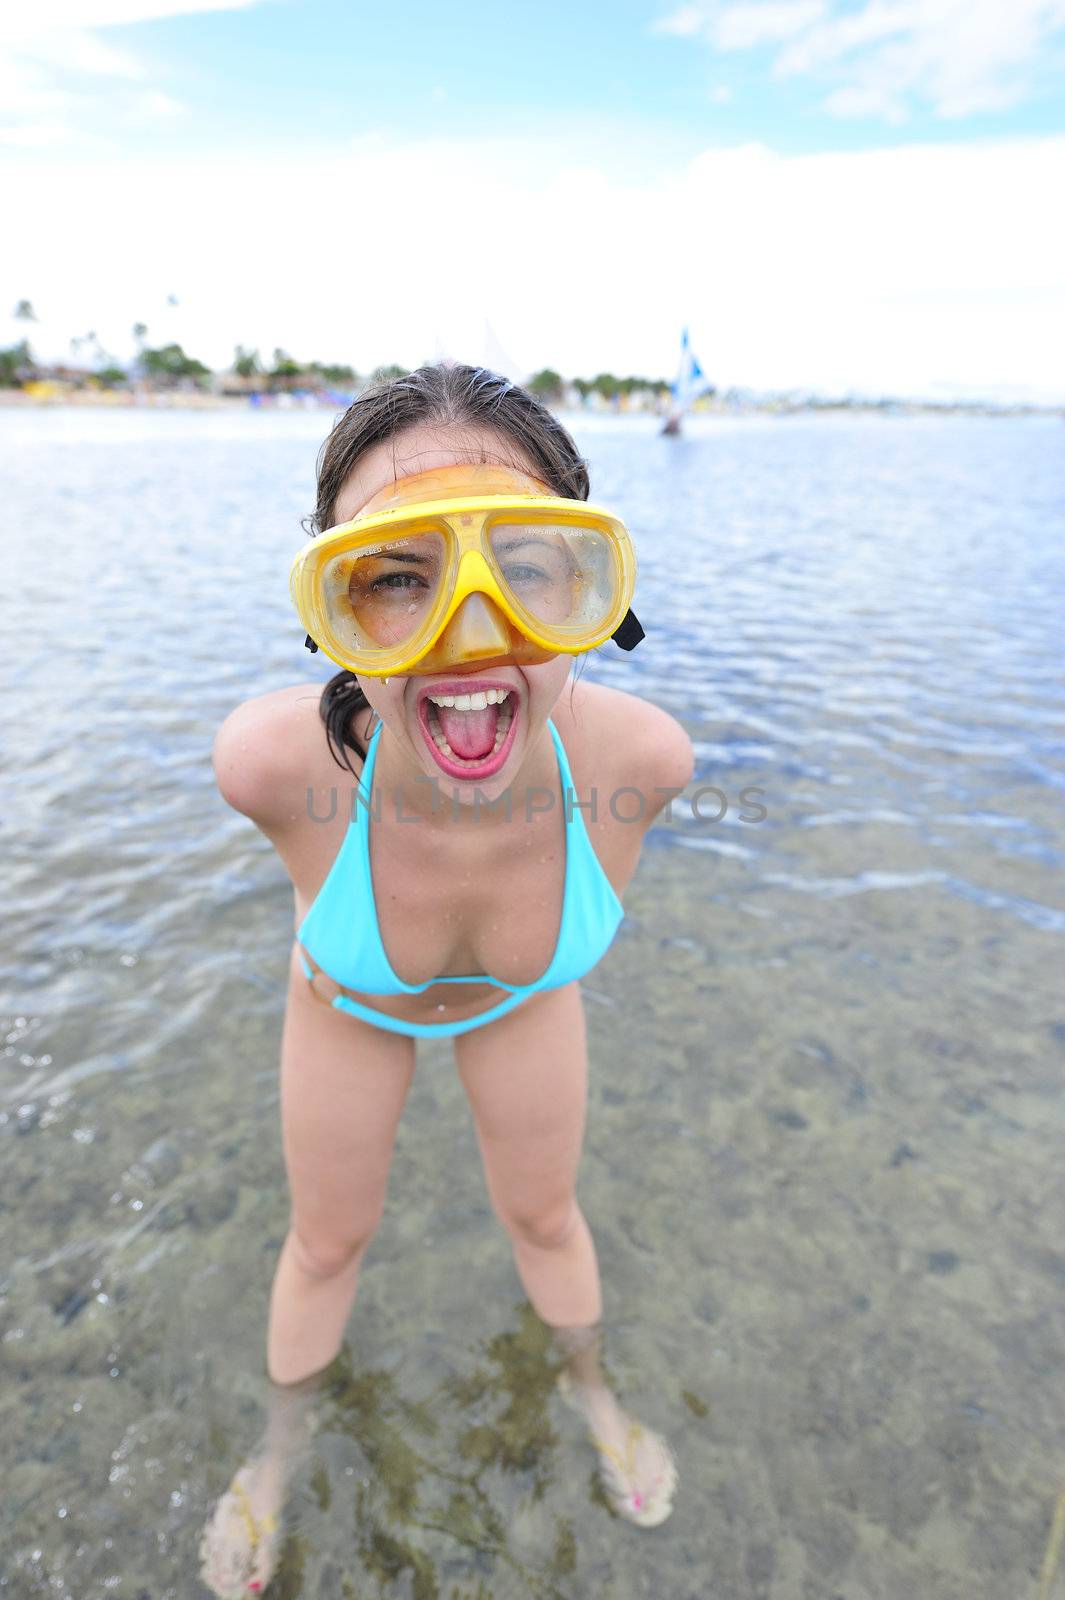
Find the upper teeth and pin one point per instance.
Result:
(470, 702)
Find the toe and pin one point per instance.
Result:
(658, 1502)
(645, 1496)
(262, 1568)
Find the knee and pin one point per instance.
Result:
(327, 1256)
(547, 1230)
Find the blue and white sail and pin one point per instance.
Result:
(691, 381)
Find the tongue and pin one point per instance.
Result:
(471, 734)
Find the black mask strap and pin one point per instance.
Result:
(628, 633)
(311, 646)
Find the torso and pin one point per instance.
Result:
(454, 900)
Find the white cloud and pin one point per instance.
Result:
(899, 271)
(887, 57)
(740, 27)
(45, 14)
(155, 106)
(685, 22)
(48, 50)
(36, 135)
(73, 50)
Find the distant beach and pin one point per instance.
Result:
(725, 405)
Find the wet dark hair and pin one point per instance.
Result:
(445, 394)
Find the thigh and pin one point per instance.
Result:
(343, 1085)
(526, 1078)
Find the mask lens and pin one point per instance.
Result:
(563, 576)
(379, 596)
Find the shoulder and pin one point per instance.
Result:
(628, 741)
(268, 749)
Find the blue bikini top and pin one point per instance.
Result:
(342, 936)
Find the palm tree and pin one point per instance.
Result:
(246, 363)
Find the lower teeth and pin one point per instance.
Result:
(503, 721)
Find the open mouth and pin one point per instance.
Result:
(469, 733)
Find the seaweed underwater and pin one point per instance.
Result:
(393, 1504)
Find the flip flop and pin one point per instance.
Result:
(617, 1472)
(256, 1526)
(230, 1570)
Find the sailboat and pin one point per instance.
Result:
(691, 381)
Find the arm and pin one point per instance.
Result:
(630, 744)
(658, 756)
(262, 754)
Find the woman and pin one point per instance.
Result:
(462, 575)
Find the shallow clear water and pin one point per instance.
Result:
(823, 1163)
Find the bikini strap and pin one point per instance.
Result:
(364, 782)
(571, 811)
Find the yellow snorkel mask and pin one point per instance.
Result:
(461, 564)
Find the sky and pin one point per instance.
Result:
(842, 196)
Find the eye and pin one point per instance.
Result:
(396, 580)
(524, 572)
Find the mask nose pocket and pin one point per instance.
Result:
(478, 628)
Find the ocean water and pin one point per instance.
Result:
(823, 1165)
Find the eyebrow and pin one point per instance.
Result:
(526, 538)
(410, 556)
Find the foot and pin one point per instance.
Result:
(240, 1542)
(636, 1465)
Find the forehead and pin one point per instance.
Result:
(423, 449)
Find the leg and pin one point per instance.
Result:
(343, 1085)
(526, 1080)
